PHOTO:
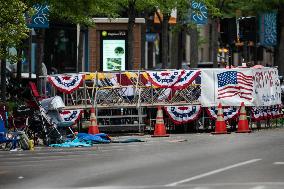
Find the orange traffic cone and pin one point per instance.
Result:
(243, 126)
(160, 129)
(93, 128)
(220, 125)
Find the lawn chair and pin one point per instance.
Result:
(35, 93)
(9, 139)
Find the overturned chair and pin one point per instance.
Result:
(53, 124)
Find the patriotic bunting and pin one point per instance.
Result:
(187, 78)
(229, 113)
(266, 112)
(165, 79)
(71, 115)
(66, 83)
(178, 79)
(183, 114)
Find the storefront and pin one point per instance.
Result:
(108, 41)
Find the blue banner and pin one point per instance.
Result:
(40, 18)
(151, 37)
(268, 29)
(199, 13)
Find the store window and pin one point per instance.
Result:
(60, 49)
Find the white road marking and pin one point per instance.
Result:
(212, 172)
(253, 185)
(258, 187)
(278, 163)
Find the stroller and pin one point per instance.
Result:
(53, 125)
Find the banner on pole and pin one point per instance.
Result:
(268, 29)
(199, 13)
(40, 18)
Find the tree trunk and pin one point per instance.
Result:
(181, 48)
(150, 55)
(175, 50)
(19, 63)
(165, 41)
(80, 52)
(279, 52)
(38, 65)
(3, 79)
(193, 47)
(131, 23)
(214, 42)
(143, 42)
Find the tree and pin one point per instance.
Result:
(132, 8)
(164, 10)
(12, 30)
(253, 8)
(215, 8)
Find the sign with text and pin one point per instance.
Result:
(113, 51)
(231, 87)
(267, 87)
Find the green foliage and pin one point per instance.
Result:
(12, 25)
(81, 11)
(251, 7)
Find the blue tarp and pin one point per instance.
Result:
(87, 140)
(97, 138)
(84, 140)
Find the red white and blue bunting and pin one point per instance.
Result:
(229, 112)
(178, 79)
(266, 112)
(183, 114)
(66, 83)
(71, 115)
(165, 79)
(187, 78)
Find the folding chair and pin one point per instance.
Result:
(9, 139)
(143, 90)
(109, 91)
(34, 91)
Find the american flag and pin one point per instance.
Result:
(233, 83)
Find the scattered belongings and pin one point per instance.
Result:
(127, 140)
(84, 140)
(87, 140)
(178, 140)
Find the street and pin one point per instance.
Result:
(191, 161)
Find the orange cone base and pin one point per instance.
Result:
(220, 128)
(93, 130)
(243, 127)
(244, 131)
(218, 133)
(160, 131)
(166, 135)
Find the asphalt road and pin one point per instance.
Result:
(192, 161)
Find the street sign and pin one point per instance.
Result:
(40, 18)
(199, 13)
(268, 29)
